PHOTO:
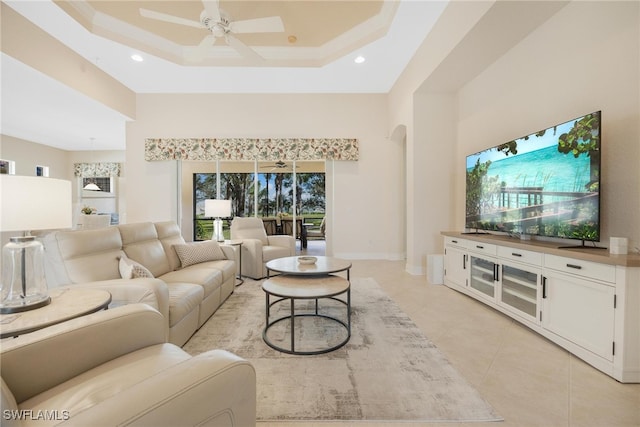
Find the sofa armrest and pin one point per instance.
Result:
(283, 241)
(153, 292)
(215, 388)
(35, 362)
(229, 252)
(252, 257)
(253, 248)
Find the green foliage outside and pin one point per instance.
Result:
(275, 196)
(483, 191)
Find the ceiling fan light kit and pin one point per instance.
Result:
(221, 26)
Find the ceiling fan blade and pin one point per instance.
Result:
(159, 16)
(271, 24)
(213, 9)
(206, 42)
(243, 49)
(198, 53)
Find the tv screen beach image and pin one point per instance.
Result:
(546, 183)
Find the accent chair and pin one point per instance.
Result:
(257, 247)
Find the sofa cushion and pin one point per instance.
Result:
(130, 269)
(170, 234)
(88, 255)
(107, 380)
(8, 403)
(248, 228)
(197, 252)
(184, 298)
(227, 267)
(208, 278)
(140, 243)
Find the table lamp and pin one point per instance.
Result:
(217, 209)
(29, 203)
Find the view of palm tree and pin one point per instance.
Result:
(275, 196)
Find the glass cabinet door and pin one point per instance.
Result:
(520, 290)
(482, 276)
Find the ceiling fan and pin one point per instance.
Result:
(221, 26)
(277, 165)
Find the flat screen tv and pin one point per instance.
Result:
(543, 184)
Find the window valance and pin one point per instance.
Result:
(93, 170)
(271, 149)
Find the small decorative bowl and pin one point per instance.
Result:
(307, 259)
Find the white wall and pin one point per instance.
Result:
(28, 154)
(363, 194)
(585, 58)
(579, 57)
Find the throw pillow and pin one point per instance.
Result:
(130, 269)
(197, 252)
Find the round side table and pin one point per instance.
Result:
(66, 304)
(238, 243)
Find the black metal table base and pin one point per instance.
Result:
(293, 316)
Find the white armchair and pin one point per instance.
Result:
(257, 247)
(115, 368)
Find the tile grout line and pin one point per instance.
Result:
(499, 347)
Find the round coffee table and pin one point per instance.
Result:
(323, 265)
(306, 282)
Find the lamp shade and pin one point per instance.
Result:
(217, 208)
(91, 187)
(34, 203)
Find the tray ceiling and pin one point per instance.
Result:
(315, 32)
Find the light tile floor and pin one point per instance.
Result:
(527, 379)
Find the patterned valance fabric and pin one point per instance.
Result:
(94, 170)
(208, 149)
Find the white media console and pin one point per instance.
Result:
(585, 300)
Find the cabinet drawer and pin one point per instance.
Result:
(586, 269)
(528, 257)
(455, 241)
(482, 248)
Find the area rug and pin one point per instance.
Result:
(388, 371)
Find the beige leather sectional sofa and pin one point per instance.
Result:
(114, 368)
(185, 295)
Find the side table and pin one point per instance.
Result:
(238, 244)
(66, 304)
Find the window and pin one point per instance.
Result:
(103, 182)
(274, 195)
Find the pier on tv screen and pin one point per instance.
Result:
(545, 184)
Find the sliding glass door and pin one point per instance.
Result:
(262, 189)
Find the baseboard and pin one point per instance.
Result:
(364, 256)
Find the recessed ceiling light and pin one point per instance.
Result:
(136, 57)
(359, 59)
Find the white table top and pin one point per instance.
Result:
(65, 304)
(233, 242)
(324, 265)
